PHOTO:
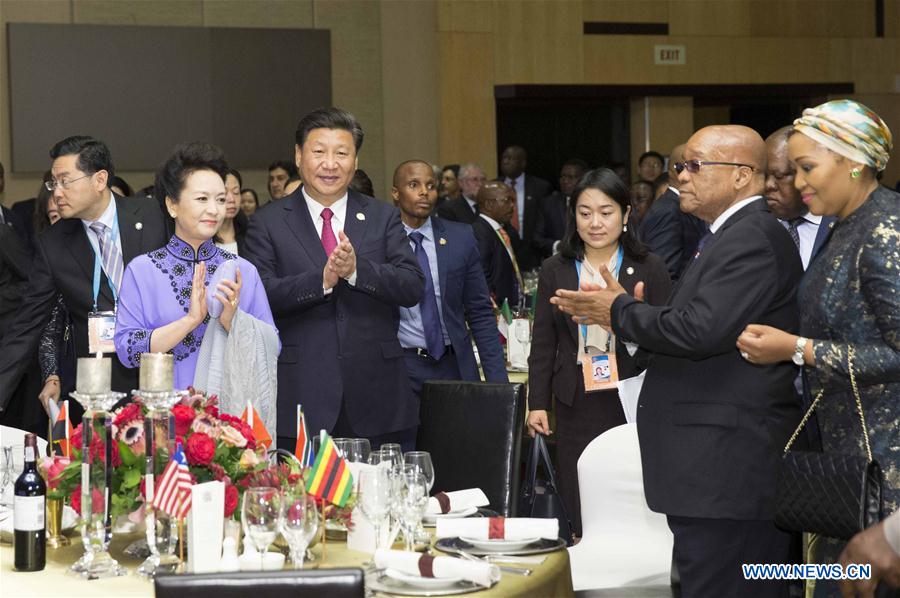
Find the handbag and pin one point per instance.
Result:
(825, 493)
(540, 497)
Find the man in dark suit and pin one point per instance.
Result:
(529, 192)
(498, 243)
(807, 230)
(551, 219)
(712, 425)
(64, 260)
(666, 229)
(465, 207)
(15, 263)
(337, 267)
(435, 333)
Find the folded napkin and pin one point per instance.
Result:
(440, 567)
(498, 528)
(444, 502)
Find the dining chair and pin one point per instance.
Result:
(334, 583)
(473, 431)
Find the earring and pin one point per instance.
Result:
(172, 214)
(625, 228)
(854, 174)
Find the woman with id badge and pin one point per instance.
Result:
(579, 365)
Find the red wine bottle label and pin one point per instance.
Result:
(28, 513)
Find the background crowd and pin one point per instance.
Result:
(695, 270)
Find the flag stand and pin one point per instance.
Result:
(324, 533)
(181, 545)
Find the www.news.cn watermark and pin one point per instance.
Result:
(807, 571)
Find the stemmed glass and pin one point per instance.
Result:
(13, 464)
(395, 452)
(259, 517)
(298, 522)
(421, 461)
(358, 450)
(375, 490)
(523, 335)
(342, 444)
(412, 501)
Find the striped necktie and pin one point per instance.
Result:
(110, 256)
(793, 225)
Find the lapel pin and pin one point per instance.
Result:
(360, 216)
(629, 270)
(138, 226)
(442, 241)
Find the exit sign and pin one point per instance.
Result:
(669, 54)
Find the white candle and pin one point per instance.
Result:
(93, 375)
(157, 372)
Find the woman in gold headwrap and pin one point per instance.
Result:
(850, 296)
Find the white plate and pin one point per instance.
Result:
(499, 545)
(433, 517)
(422, 582)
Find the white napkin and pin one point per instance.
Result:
(483, 574)
(460, 500)
(515, 528)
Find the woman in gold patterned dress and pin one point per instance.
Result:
(850, 295)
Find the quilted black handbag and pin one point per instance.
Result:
(834, 495)
(539, 496)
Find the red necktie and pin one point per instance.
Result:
(328, 240)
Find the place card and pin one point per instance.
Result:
(206, 524)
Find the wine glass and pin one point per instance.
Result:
(411, 504)
(421, 461)
(358, 450)
(298, 522)
(375, 489)
(259, 517)
(523, 334)
(395, 452)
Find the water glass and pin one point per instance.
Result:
(395, 452)
(358, 450)
(342, 444)
(259, 517)
(412, 501)
(421, 461)
(375, 497)
(298, 522)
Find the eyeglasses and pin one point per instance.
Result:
(693, 166)
(65, 184)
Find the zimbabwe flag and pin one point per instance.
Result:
(329, 478)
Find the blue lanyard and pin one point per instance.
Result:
(98, 266)
(619, 255)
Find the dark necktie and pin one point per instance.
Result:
(703, 241)
(793, 225)
(431, 318)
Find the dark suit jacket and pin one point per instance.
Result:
(552, 365)
(466, 303)
(64, 263)
(670, 233)
(822, 235)
(15, 263)
(550, 225)
(23, 216)
(536, 189)
(457, 210)
(495, 262)
(343, 346)
(711, 425)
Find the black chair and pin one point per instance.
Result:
(473, 431)
(330, 583)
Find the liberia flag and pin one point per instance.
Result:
(329, 478)
(303, 450)
(62, 431)
(252, 419)
(173, 494)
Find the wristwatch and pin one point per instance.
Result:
(797, 357)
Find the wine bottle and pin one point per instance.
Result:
(28, 513)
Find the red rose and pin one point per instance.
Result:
(231, 499)
(199, 449)
(184, 417)
(75, 438)
(127, 414)
(212, 410)
(96, 499)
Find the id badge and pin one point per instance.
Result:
(599, 371)
(101, 332)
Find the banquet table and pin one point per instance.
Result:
(553, 577)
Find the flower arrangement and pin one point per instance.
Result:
(217, 446)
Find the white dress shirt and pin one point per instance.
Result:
(724, 216)
(807, 230)
(497, 226)
(108, 218)
(519, 185)
(338, 218)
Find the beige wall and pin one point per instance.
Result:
(420, 74)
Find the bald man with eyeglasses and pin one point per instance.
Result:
(711, 424)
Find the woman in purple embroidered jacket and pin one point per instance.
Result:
(163, 303)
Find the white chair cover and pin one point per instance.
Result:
(623, 542)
